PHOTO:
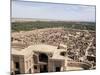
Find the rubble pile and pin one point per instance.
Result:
(77, 41)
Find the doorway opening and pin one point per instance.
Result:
(43, 68)
(57, 69)
(43, 57)
(17, 68)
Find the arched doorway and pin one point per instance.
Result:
(43, 57)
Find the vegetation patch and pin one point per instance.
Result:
(26, 26)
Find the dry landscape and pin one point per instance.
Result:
(51, 37)
(81, 44)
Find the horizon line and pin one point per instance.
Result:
(47, 19)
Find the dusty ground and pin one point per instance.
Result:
(77, 41)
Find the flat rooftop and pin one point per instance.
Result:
(43, 48)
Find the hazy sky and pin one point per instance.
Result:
(21, 9)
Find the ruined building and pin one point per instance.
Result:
(42, 58)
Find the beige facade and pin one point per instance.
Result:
(40, 58)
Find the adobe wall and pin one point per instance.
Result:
(52, 64)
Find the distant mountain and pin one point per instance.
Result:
(38, 19)
(31, 19)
